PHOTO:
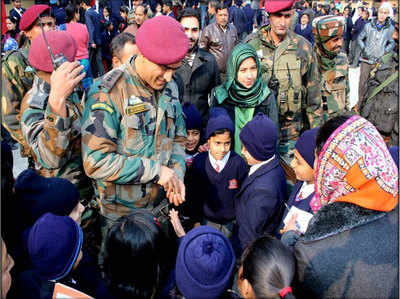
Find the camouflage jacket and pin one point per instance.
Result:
(54, 142)
(295, 67)
(128, 132)
(335, 89)
(16, 81)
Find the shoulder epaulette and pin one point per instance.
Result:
(108, 80)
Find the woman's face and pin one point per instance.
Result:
(304, 20)
(6, 265)
(193, 139)
(10, 25)
(247, 72)
(158, 8)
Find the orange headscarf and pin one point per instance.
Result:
(355, 166)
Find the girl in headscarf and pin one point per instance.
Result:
(244, 93)
(351, 243)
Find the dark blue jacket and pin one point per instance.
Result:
(106, 39)
(216, 192)
(306, 33)
(349, 27)
(59, 14)
(260, 203)
(357, 28)
(115, 5)
(249, 12)
(238, 18)
(93, 24)
(15, 14)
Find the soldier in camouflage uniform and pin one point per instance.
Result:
(290, 68)
(51, 112)
(17, 75)
(133, 131)
(332, 64)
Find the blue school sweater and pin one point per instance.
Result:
(215, 192)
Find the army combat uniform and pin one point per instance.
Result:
(17, 79)
(54, 141)
(294, 65)
(128, 132)
(333, 67)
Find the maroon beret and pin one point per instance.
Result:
(59, 41)
(162, 40)
(272, 6)
(31, 14)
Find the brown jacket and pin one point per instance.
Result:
(219, 43)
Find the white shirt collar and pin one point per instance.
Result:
(253, 168)
(220, 163)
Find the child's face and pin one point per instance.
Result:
(219, 145)
(303, 171)
(193, 139)
(248, 157)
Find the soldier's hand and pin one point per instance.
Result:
(177, 197)
(62, 84)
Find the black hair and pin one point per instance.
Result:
(118, 43)
(328, 128)
(86, 2)
(70, 12)
(168, 3)
(213, 3)
(13, 33)
(132, 254)
(221, 6)
(269, 266)
(124, 9)
(12, 19)
(220, 131)
(188, 13)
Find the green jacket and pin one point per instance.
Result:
(128, 132)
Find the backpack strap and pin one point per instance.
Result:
(380, 87)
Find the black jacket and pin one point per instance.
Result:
(348, 252)
(199, 80)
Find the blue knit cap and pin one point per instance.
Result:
(38, 195)
(305, 145)
(54, 243)
(218, 120)
(192, 116)
(204, 263)
(260, 137)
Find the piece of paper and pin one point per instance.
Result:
(302, 219)
(61, 291)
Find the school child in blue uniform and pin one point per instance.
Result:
(303, 166)
(261, 198)
(217, 175)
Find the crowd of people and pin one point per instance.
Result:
(200, 149)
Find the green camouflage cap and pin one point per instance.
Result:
(326, 27)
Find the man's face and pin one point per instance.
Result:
(48, 24)
(222, 17)
(346, 12)
(365, 15)
(140, 17)
(211, 10)
(192, 30)
(155, 75)
(17, 4)
(165, 9)
(219, 145)
(280, 22)
(334, 44)
(382, 15)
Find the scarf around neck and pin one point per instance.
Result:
(233, 92)
(355, 166)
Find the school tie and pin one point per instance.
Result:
(217, 168)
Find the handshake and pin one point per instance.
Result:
(172, 185)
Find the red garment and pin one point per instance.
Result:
(3, 18)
